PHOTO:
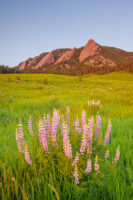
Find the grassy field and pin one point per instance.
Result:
(24, 95)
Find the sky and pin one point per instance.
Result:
(30, 27)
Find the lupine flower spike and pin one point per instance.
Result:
(27, 155)
(96, 165)
(76, 181)
(48, 122)
(76, 159)
(88, 169)
(117, 155)
(30, 126)
(21, 135)
(18, 140)
(42, 136)
(66, 142)
(106, 138)
(54, 127)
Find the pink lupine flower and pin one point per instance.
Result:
(49, 124)
(68, 115)
(45, 126)
(76, 126)
(27, 155)
(30, 126)
(66, 142)
(43, 136)
(19, 144)
(106, 138)
(76, 181)
(54, 127)
(88, 169)
(107, 154)
(76, 159)
(96, 165)
(20, 130)
(98, 126)
(21, 136)
(83, 144)
(117, 155)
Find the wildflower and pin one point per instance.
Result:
(76, 159)
(106, 138)
(21, 134)
(98, 126)
(96, 165)
(90, 133)
(83, 144)
(43, 136)
(48, 121)
(30, 126)
(66, 142)
(117, 155)
(88, 169)
(107, 154)
(54, 127)
(27, 155)
(19, 144)
(76, 181)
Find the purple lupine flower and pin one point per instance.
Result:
(96, 165)
(21, 135)
(68, 115)
(49, 124)
(98, 126)
(19, 144)
(30, 126)
(107, 154)
(117, 155)
(54, 127)
(27, 155)
(76, 126)
(66, 142)
(89, 166)
(83, 144)
(76, 181)
(106, 138)
(45, 126)
(76, 159)
(43, 136)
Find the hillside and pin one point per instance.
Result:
(91, 58)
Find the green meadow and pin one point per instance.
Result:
(24, 95)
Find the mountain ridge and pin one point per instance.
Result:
(88, 58)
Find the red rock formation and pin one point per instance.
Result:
(47, 59)
(66, 56)
(90, 49)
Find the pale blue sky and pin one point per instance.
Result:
(30, 27)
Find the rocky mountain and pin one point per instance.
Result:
(91, 58)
